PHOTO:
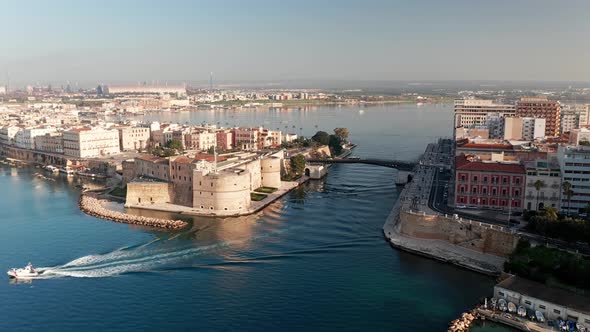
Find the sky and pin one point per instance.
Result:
(126, 41)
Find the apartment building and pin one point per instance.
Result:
(50, 142)
(574, 162)
(473, 112)
(545, 173)
(134, 138)
(541, 107)
(88, 143)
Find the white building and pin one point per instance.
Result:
(533, 128)
(574, 117)
(25, 139)
(574, 162)
(549, 193)
(88, 143)
(527, 129)
(552, 302)
(473, 112)
(134, 138)
(580, 135)
(7, 134)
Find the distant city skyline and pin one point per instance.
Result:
(265, 41)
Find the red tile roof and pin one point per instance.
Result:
(209, 157)
(461, 163)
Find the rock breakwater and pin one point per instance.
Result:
(92, 206)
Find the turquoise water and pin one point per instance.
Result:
(315, 260)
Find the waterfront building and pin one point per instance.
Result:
(541, 107)
(25, 139)
(246, 139)
(549, 194)
(489, 183)
(553, 302)
(199, 139)
(8, 133)
(145, 89)
(573, 117)
(574, 162)
(50, 142)
(88, 143)
(203, 182)
(472, 112)
(134, 138)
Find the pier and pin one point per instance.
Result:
(93, 207)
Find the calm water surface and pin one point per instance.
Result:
(316, 260)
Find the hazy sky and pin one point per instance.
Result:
(114, 41)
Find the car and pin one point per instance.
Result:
(461, 206)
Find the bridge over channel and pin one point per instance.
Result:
(397, 164)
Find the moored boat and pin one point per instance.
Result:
(539, 316)
(511, 307)
(502, 305)
(521, 311)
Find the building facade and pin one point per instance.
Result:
(473, 112)
(549, 177)
(574, 162)
(552, 302)
(87, 143)
(541, 107)
(134, 138)
(491, 185)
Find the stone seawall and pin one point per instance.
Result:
(93, 207)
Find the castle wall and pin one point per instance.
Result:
(229, 190)
(271, 172)
(145, 193)
(469, 234)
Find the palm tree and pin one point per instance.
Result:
(568, 192)
(551, 213)
(538, 185)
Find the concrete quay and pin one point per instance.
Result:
(92, 206)
(412, 208)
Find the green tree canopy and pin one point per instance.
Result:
(298, 164)
(335, 144)
(321, 137)
(341, 133)
(174, 144)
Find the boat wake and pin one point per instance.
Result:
(125, 260)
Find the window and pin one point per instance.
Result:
(475, 179)
(517, 181)
(542, 306)
(556, 311)
(527, 302)
(501, 293)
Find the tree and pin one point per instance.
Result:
(551, 213)
(297, 164)
(538, 185)
(568, 193)
(335, 144)
(174, 144)
(321, 137)
(342, 133)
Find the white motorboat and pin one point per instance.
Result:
(26, 272)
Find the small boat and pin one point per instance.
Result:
(26, 272)
(361, 111)
(580, 327)
(539, 316)
(511, 307)
(502, 305)
(521, 311)
(494, 303)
